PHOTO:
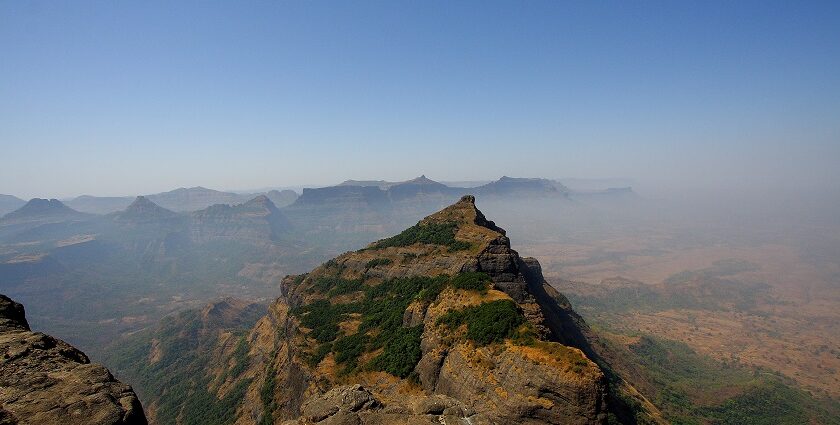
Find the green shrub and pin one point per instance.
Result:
(320, 353)
(381, 312)
(240, 355)
(348, 349)
(488, 322)
(377, 262)
(322, 318)
(267, 396)
(335, 285)
(203, 408)
(429, 233)
(401, 353)
(474, 281)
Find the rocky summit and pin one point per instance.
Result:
(442, 323)
(38, 208)
(44, 380)
(143, 210)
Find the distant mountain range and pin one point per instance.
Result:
(180, 200)
(420, 189)
(424, 190)
(334, 217)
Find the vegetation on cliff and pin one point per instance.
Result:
(486, 323)
(380, 312)
(426, 233)
(174, 365)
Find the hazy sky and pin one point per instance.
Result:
(119, 97)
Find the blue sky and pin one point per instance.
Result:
(121, 98)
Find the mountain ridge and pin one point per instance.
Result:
(442, 320)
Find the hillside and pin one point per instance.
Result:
(91, 280)
(9, 203)
(143, 210)
(443, 320)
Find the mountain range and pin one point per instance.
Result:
(180, 200)
(197, 198)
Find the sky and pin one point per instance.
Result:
(125, 98)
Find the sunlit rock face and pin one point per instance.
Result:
(44, 380)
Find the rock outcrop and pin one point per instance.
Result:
(44, 380)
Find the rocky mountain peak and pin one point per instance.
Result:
(141, 202)
(444, 311)
(262, 201)
(37, 207)
(464, 212)
(422, 180)
(144, 209)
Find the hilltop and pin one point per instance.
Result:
(144, 210)
(38, 208)
(443, 320)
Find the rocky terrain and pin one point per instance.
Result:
(44, 380)
(442, 323)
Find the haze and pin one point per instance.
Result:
(588, 212)
(126, 98)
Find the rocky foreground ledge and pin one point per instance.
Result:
(44, 380)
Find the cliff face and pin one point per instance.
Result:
(257, 220)
(194, 198)
(340, 208)
(443, 322)
(44, 380)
